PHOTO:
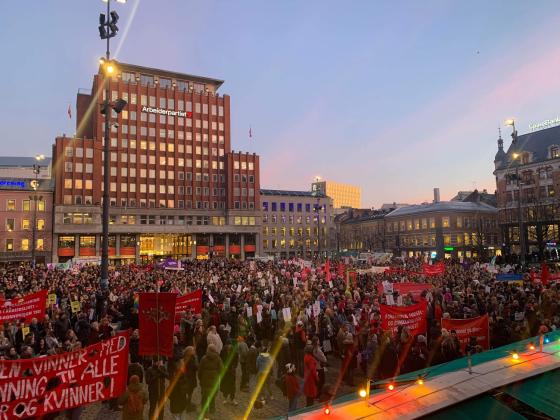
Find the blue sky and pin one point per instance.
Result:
(397, 97)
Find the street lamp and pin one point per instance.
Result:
(35, 198)
(317, 194)
(516, 157)
(107, 29)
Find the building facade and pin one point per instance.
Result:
(362, 230)
(444, 229)
(176, 187)
(527, 178)
(343, 195)
(25, 201)
(297, 223)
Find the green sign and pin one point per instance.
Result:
(449, 248)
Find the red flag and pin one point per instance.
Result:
(467, 328)
(69, 112)
(413, 317)
(192, 301)
(250, 132)
(415, 289)
(544, 274)
(156, 320)
(328, 270)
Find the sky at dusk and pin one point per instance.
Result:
(396, 97)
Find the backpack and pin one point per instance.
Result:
(135, 403)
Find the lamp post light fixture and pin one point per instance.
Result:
(35, 198)
(516, 157)
(107, 29)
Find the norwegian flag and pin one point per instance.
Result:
(69, 112)
(250, 132)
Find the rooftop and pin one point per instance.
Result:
(443, 206)
(292, 193)
(537, 143)
(22, 161)
(170, 74)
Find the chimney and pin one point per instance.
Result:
(436, 195)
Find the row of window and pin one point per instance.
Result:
(418, 224)
(283, 219)
(292, 231)
(163, 82)
(89, 241)
(274, 206)
(25, 224)
(168, 103)
(26, 205)
(292, 244)
(24, 245)
(460, 239)
(529, 193)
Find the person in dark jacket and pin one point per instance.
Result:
(155, 378)
(230, 358)
(133, 400)
(209, 374)
(178, 394)
(191, 369)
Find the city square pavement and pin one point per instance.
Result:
(273, 408)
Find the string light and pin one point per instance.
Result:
(327, 410)
(420, 381)
(531, 346)
(515, 356)
(362, 393)
(390, 387)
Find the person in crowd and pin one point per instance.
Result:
(156, 374)
(264, 372)
(292, 386)
(133, 400)
(230, 359)
(209, 371)
(310, 376)
(191, 369)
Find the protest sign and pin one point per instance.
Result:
(27, 307)
(38, 386)
(467, 328)
(413, 317)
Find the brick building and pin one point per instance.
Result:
(290, 223)
(362, 230)
(531, 166)
(24, 199)
(176, 187)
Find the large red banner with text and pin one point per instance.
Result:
(34, 387)
(413, 317)
(404, 289)
(467, 328)
(27, 307)
(434, 269)
(192, 301)
(156, 316)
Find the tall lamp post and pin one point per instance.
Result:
(35, 198)
(107, 30)
(317, 213)
(517, 158)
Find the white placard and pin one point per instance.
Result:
(20, 278)
(287, 314)
(259, 317)
(249, 312)
(316, 308)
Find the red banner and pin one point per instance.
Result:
(28, 307)
(34, 387)
(192, 301)
(433, 270)
(404, 289)
(413, 317)
(467, 328)
(156, 321)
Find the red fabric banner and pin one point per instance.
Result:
(34, 387)
(413, 317)
(156, 318)
(28, 307)
(404, 289)
(433, 270)
(466, 328)
(192, 301)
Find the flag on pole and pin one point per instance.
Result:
(250, 132)
(69, 112)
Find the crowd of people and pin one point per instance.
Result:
(245, 340)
